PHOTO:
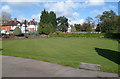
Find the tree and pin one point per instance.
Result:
(44, 18)
(47, 22)
(73, 29)
(107, 14)
(45, 28)
(17, 31)
(5, 16)
(89, 19)
(88, 25)
(78, 27)
(98, 28)
(98, 18)
(118, 25)
(52, 19)
(62, 23)
(108, 22)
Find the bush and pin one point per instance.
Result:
(76, 34)
(106, 35)
(112, 35)
(17, 31)
(45, 29)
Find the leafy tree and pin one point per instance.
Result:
(5, 16)
(98, 28)
(108, 22)
(107, 14)
(52, 18)
(89, 19)
(88, 25)
(62, 23)
(17, 31)
(78, 27)
(73, 29)
(45, 28)
(118, 25)
(44, 18)
(47, 22)
(98, 18)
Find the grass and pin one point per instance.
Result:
(0, 46)
(67, 51)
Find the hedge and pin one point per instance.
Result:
(106, 35)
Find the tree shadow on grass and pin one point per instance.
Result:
(109, 54)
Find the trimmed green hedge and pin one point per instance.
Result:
(112, 35)
(106, 35)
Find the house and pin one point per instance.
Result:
(32, 25)
(69, 28)
(11, 25)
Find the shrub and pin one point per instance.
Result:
(17, 31)
(112, 35)
(45, 29)
(76, 34)
(106, 35)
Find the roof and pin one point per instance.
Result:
(12, 23)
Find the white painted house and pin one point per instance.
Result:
(10, 26)
(69, 28)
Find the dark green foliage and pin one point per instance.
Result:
(47, 22)
(118, 25)
(109, 22)
(48, 18)
(45, 28)
(106, 15)
(63, 28)
(112, 35)
(98, 28)
(77, 34)
(17, 31)
(44, 18)
(57, 33)
(108, 27)
(78, 27)
(52, 17)
(106, 35)
(87, 25)
(62, 23)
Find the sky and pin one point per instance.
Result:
(75, 10)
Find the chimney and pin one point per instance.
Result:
(15, 19)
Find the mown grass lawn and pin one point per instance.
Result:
(67, 51)
(0, 43)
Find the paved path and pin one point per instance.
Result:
(21, 67)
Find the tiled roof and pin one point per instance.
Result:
(15, 23)
(11, 23)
